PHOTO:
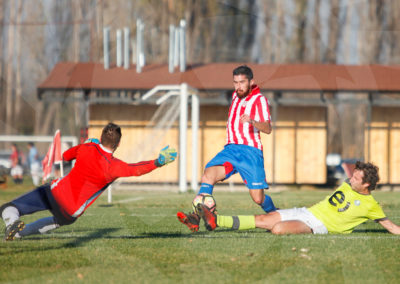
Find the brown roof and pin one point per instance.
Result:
(218, 76)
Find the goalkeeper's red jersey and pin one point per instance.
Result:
(95, 168)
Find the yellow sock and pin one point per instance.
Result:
(224, 221)
(236, 222)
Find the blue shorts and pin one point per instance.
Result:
(245, 160)
(41, 199)
(33, 201)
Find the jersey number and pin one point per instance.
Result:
(338, 198)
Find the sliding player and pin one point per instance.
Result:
(349, 206)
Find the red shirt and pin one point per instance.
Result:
(95, 168)
(256, 106)
(14, 157)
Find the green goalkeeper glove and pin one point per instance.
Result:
(166, 156)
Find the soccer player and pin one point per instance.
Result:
(68, 197)
(34, 163)
(16, 161)
(349, 206)
(243, 153)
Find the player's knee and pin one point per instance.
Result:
(258, 199)
(209, 176)
(278, 229)
(5, 205)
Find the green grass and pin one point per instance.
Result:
(141, 241)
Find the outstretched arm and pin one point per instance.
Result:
(121, 169)
(390, 226)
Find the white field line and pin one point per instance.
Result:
(129, 200)
(353, 236)
(152, 215)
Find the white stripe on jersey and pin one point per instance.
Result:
(229, 136)
(265, 106)
(238, 133)
(237, 125)
(246, 127)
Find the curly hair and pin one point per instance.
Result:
(371, 173)
(111, 135)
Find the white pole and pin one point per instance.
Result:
(39, 138)
(138, 46)
(142, 56)
(61, 169)
(195, 128)
(182, 46)
(119, 48)
(171, 48)
(106, 47)
(126, 48)
(182, 138)
(109, 194)
(133, 48)
(176, 48)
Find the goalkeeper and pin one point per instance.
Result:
(68, 197)
(349, 206)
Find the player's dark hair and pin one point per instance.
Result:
(31, 144)
(371, 174)
(111, 135)
(243, 70)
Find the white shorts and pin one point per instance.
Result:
(17, 171)
(35, 168)
(305, 216)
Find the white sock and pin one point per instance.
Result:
(40, 226)
(10, 215)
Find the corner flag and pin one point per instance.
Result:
(53, 156)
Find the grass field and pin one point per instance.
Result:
(138, 239)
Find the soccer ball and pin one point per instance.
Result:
(205, 199)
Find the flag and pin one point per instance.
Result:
(53, 155)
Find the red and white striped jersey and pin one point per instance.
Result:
(254, 105)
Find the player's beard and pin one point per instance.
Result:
(243, 94)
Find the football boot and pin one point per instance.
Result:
(13, 229)
(209, 218)
(191, 220)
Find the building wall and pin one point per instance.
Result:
(300, 145)
(294, 152)
(382, 143)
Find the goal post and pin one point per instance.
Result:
(184, 92)
(37, 138)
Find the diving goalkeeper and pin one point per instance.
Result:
(349, 206)
(68, 197)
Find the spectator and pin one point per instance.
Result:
(16, 168)
(34, 163)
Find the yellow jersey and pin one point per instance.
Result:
(345, 209)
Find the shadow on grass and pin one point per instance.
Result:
(106, 233)
(105, 205)
(370, 231)
(25, 245)
(202, 235)
(209, 235)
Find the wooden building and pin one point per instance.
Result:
(295, 152)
